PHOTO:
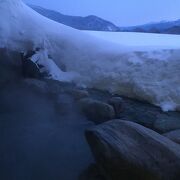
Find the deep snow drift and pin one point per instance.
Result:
(150, 74)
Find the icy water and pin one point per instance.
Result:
(41, 139)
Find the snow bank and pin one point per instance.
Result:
(150, 74)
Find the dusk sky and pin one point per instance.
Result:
(120, 12)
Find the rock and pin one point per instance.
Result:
(116, 102)
(37, 85)
(166, 123)
(57, 87)
(139, 112)
(79, 94)
(96, 111)
(173, 135)
(10, 66)
(30, 69)
(127, 151)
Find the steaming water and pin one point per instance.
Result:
(40, 139)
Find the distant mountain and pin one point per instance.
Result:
(98, 24)
(173, 30)
(163, 27)
(82, 23)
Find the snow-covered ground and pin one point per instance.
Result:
(155, 41)
(136, 65)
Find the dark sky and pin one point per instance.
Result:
(121, 12)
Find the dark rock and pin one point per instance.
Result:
(149, 115)
(136, 111)
(117, 103)
(99, 95)
(96, 111)
(139, 112)
(10, 66)
(165, 123)
(79, 94)
(30, 69)
(128, 151)
(37, 84)
(57, 87)
(28, 55)
(173, 135)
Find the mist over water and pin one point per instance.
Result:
(41, 137)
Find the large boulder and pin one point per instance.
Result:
(173, 135)
(97, 111)
(128, 151)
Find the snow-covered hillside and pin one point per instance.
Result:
(150, 74)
